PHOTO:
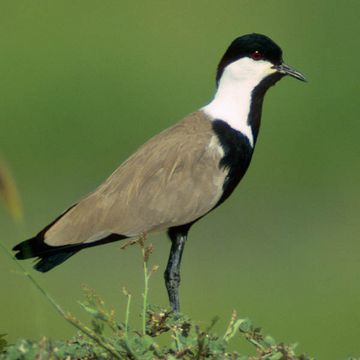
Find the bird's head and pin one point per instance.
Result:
(252, 60)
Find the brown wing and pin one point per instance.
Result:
(173, 179)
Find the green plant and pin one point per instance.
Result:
(110, 338)
(187, 340)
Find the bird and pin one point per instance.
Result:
(179, 175)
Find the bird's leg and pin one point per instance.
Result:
(172, 272)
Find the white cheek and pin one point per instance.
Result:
(248, 70)
(233, 97)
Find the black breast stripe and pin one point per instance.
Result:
(237, 155)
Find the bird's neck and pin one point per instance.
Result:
(237, 103)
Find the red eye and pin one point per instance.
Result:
(256, 55)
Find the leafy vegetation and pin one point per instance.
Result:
(107, 337)
(187, 341)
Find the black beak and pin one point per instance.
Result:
(288, 70)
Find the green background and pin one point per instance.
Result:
(84, 83)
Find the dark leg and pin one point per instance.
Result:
(178, 238)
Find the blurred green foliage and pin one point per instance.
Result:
(3, 342)
(8, 192)
(113, 339)
(109, 338)
(84, 83)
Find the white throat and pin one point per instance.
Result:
(232, 100)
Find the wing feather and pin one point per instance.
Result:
(171, 180)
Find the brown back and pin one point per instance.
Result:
(173, 179)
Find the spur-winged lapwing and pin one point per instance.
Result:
(179, 175)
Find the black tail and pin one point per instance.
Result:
(50, 256)
(46, 263)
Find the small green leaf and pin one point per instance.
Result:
(92, 311)
(245, 325)
(269, 341)
(277, 356)
(87, 308)
(234, 328)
